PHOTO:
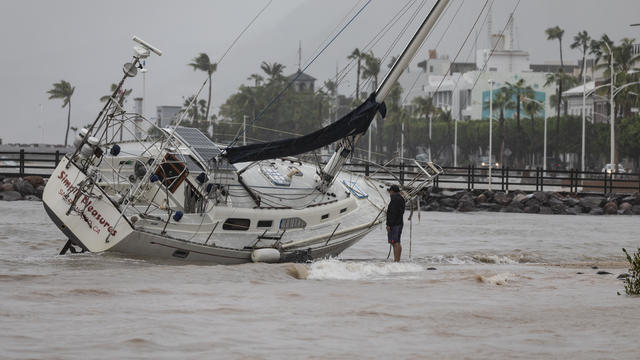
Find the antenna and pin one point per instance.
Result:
(511, 21)
(147, 46)
(490, 24)
(299, 55)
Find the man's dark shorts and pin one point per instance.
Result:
(394, 233)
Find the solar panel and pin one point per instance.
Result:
(205, 149)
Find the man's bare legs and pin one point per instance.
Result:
(397, 251)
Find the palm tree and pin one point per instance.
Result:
(519, 89)
(274, 70)
(556, 33)
(371, 71)
(582, 41)
(502, 101)
(123, 94)
(531, 108)
(256, 78)
(63, 90)
(423, 106)
(558, 78)
(331, 86)
(203, 63)
(358, 56)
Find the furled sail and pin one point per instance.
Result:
(355, 122)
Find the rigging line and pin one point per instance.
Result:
(243, 31)
(404, 29)
(347, 69)
(299, 73)
(397, 38)
(436, 47)
(346, 16)
(484, 67)
(463, 44)
(455, 87)
(374, 41)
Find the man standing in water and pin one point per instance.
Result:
(395, 211)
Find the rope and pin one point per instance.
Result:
(273, 101)
(410, 236)
(463, 44)
(243, 31)
(484, 68)
(436, 47)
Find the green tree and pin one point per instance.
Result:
(203, 63)
(64, 91)
(556, 33)
(273, 70)
(558, 79)
(519, 89)
(424, 109)
(256, 78)
(122, 93)
(295, 112)
(532, 108)
(502, 101)
(581, 41)
(370, 71)
(358, 56)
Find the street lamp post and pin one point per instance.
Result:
(613, 110)
(455, 143)
(584, 111)
(490, 128)
(244, 130)
(615, 90)
(430, 117)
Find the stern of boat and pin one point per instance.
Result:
(81, 209)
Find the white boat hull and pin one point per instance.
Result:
(96, 224)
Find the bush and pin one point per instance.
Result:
(632, 282)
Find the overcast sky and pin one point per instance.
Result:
(86, 43)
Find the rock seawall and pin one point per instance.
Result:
(541, 202)
(27, 188)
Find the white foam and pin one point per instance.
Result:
(333, 269)
(498, 279)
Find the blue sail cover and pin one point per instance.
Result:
(355, 122)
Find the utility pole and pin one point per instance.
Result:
(244, 130)
(490, 128)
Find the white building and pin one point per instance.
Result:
(167, 114)
(480, 94)
(573, 97)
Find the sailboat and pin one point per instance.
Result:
(181, 196)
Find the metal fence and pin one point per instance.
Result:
(23, 163)
(508, 179)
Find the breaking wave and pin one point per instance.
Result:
(497, 279)
(333, 269)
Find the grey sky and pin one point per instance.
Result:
(86, 43)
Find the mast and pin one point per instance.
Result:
(346, 146)
(403, 61)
